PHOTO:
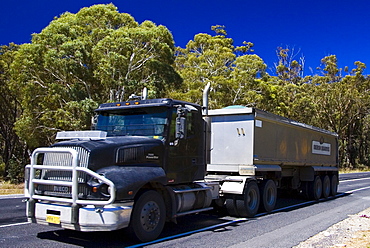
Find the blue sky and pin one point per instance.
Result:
(313, 28)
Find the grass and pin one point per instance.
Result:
(348, 170)
(7, 188)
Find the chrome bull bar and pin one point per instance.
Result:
(73, 184)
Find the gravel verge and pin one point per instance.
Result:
(352, 232)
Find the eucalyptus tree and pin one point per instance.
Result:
(79, 60)
(341, 104)
(288, 68)
(249, 81)
(215, 60)
(12, 149)
(137, 57)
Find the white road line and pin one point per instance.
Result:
(15, 224)
(357, 179)
(355, 190)
(11, 196)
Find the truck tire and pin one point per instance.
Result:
(230, 206)
(249, 203)
(326, 188)
(148, 216)
(268, 193)
(334, 185)
(315, 188)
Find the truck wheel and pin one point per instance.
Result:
(326, 188)
(315, 189)
(268, 193)
(334, 185)
(249, 203)
(230, 206)
(148, 216)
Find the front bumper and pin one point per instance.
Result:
(89, 218)
(71, 212)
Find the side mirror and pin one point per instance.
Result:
(180, 127)
(181, 123)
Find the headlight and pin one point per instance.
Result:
(97, 186)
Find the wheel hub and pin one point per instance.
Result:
(150, 216)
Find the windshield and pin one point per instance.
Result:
(134, 122)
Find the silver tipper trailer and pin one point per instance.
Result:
(274, 152)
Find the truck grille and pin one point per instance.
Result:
(63, 159)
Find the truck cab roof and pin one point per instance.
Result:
(162, 102)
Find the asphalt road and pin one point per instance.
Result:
(293, 221)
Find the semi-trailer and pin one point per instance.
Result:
(148, 161)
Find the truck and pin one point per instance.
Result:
(148, 161)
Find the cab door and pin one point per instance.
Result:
(186, 154)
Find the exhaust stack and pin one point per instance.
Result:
(205, 98)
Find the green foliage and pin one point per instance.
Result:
(99, 55)
(137, 57)
(82, 59)
(289, 69)
(341, 104)
(15, 171)
(12, 149)
(2, 169)
(214, 59)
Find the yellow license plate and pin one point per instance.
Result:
(53, 219)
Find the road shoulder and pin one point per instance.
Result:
(354, 231)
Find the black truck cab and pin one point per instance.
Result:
(153, 140)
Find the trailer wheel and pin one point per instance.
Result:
(334, 185)
(315, 189)
(249, 203)
(148, 216)
(326, 188)
(268, 193)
